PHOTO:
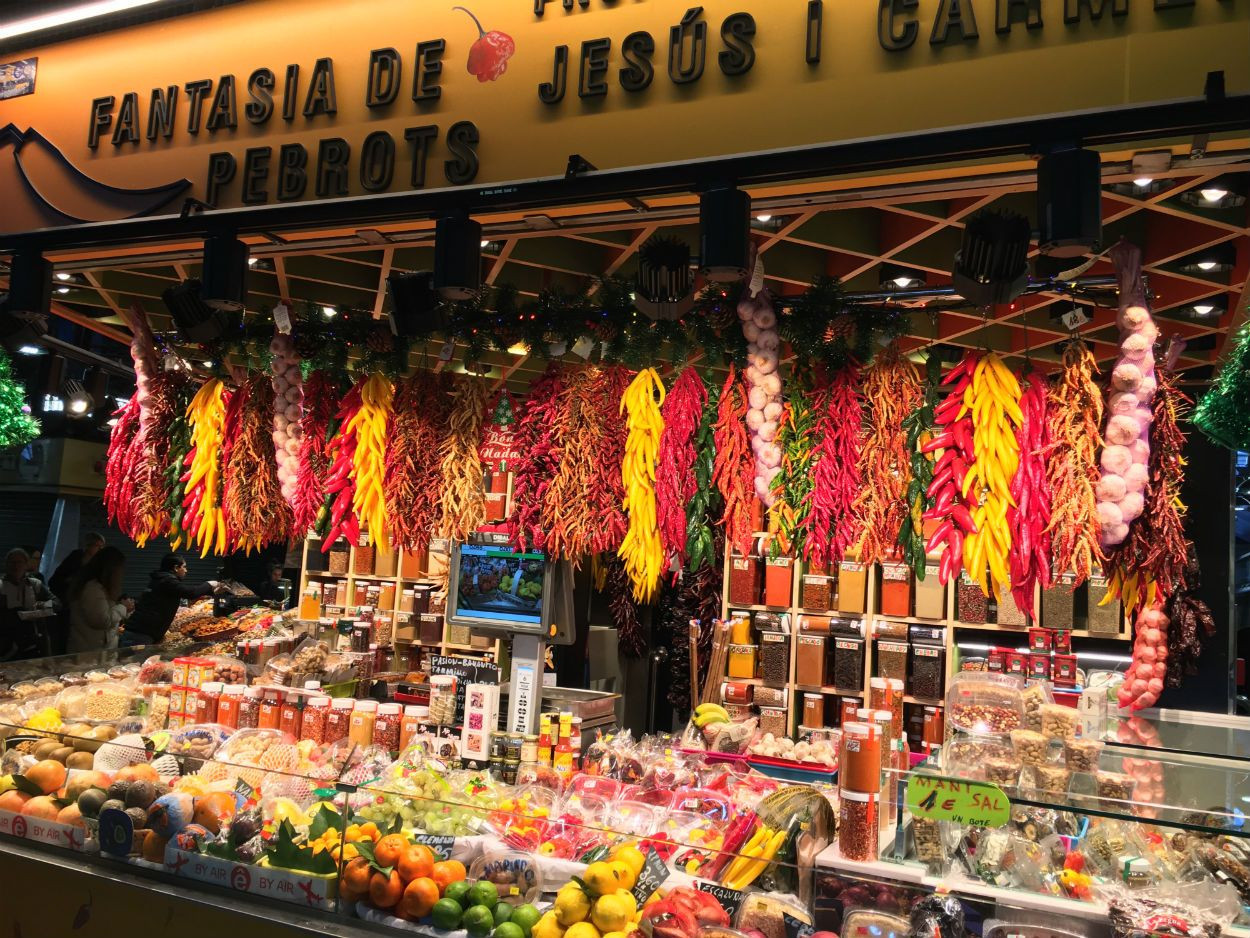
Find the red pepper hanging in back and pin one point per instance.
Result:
(734, 472)
(836, 480)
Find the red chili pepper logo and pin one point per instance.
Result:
(488, 56)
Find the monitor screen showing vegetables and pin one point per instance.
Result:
(497, 585)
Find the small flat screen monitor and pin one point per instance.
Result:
(496, 587)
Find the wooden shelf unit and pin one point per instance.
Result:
(445, 646)
(871, 616)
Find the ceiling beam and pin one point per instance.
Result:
(385, 271)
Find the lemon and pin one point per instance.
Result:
(602, 878)
(630, 855)
(614, 934)
(572, 905)
(547, 927)
(284, 809)
(582, 930)
(611, 913)
(625, 875)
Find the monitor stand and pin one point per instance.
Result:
(525, 697)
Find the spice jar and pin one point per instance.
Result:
(858, 825)
(339, 719)
(848, 663)
(1103, 620)
(970, 603)
(316, 714)
(409, 726)
(271, 709)
(895, 590)
(847, 707)
(1009, 613)
(386, 728)
(933, 732)
(310, 602)
(206, 702)
(385, 564)
(778, 581)
(745, 580)
(386, 597)
(249, 708)
(338, 558)
(817, 593)
(412, 565)
(930, 596)
(810, 660)
(1058, 602)
(741, 662)
(887, 694)
(733, 692)
(892, 659)
(774, 720)
(852, 586)
(775, 658)
(813, 710)
(860, 757)
(443, 699)
(292, 716)
(340, 593)
(362, 564)
(228, 705)
(364, 716)
(928, 671)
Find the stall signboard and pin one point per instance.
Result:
(277, 101)
(41, 830)
(306, 889)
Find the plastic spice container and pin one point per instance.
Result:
(739, 628)
(386, 597)
(810, 660)
(292, 718)
(813, 710)
(930, 599)
(362, 565)
(852, 586)
(1058, 602)
(741, 662)
(443, 699)
(817, 593)
(745, 580)
(410, 725)
(407, 600)
(313, 724)
(310, 602)
(860, 757)
(412, 565)
(970, 603)
(360, 594)
(775, 658)
(339, 719)
(732, 692)
(384, 564)
(1008, 612)
(895, 590)
(932, 734)
(778, 581)
(1105, 620)
(249, 708)
(338, 558)
(857, 825)
(848, 662)
(892, 659)
(340, 593)
(229, 703)
(847, 706)
(774, 720)
(364, 717)
(928, 671)
(271, 709)
(769, 696)
(207, 700)
(887, 694)
(387, 726)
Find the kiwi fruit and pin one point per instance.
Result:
(45, 748)
(104, 732)
(61, 754)
(80, 760)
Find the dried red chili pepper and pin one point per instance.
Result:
(675, 482)
(836, 480)
(540, 458)
(489, 54)
(734, 472)
(413, 468)
(1029, 554)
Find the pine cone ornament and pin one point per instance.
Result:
(380, 341)
(306, 346)
(840, 327)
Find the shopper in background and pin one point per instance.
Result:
(96, 608)
(63, 576)
(155, 611)
(35, 554)
(20, 592)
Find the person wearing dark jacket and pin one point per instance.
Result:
(155, 611)
(68, 568)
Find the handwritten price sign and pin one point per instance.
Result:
(117, 833)
(973, 804)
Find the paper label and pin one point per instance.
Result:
(117, 833)
(973, 804)
(441, 844)
(730, 899)
(282, 318)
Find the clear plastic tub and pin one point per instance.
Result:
(517, 876)
(984, 704)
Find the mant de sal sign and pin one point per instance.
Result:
(282, 100)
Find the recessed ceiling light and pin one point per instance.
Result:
(1143, 182)
(902, 282)
(63, 276)
(765, 217)
(251, 261)
(29, 350)
(518, 348)
(1213, 194)
(329, 312)
(62, 289)
(207, 363)
(1203, 309)
(1207, 265)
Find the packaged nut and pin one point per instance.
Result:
(1059, 722)
(928, 836)
(983, 704)
(1051, 778)
(1081, 755)
(1004, 772)
(1036, 695)
(1031, 747)
(1114, 785)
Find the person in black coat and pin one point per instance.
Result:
(155, 611)
(68, 568)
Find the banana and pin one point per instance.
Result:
(711, 707)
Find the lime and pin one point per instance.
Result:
(484, 893)
(459, 892)
(509, 930)
(525, 917)
(503, 912)
(478, 921)
(446, 914)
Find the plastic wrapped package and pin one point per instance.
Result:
(1036, 695)
(767, 913)
(983, 704)
(1059, 722)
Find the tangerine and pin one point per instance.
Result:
(418, 899)
(354, 883)
(389, 849)
(446, 872)
(49, 775)
(385, 890)
(417, 862)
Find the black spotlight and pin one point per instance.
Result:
(457, 257)
(30, 284)
(664, 282)
(992, 263)
(724, 234)
(416, 308)
(225, 273)
(1069, 203)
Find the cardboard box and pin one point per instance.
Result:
(260, 879)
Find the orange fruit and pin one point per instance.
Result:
(354, 884)
(13, 800)
(447, 871)
(418, 899)
(416, 862)
(49, 775)
(71, 815)
(389, 849)
(385, 891)
(154, 847)
(41, 806)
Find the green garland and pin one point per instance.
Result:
(824, 330)
(17, 426)
(1222, 413)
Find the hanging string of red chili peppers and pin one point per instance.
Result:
(463, 497)
(413, 467)
(836, 480)
(675, 483)
(318, 425)
(540, 457)
(921, 426)
(607, 488)
(1029, 557)
(787, 519)
(734, 472)
(257, 512)
(567, 516)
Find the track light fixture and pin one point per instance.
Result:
(1213, 260)
(78, 402)
(30, 284)
(1224, 192)
(724, 234)
(1069, 203)
(457, 257)
(991, 265)
(201, 308)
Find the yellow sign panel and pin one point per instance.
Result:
(287, 100)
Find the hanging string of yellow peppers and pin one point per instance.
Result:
(642, 551)
(993, 399)
(369, 459)
(204, 519)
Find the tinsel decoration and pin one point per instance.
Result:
(631, 638)
(1222, 413)
(17, 426)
